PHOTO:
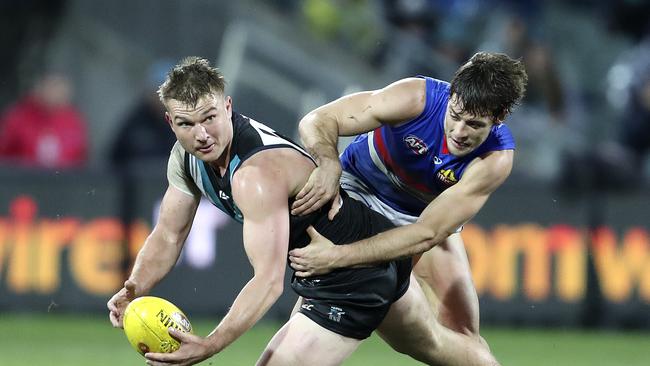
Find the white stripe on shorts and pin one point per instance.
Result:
(359, 191)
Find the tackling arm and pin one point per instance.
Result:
(361, 112)
(350, 115)
(442, 217)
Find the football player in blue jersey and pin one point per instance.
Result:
(429, 155)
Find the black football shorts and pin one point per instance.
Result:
(353, 301)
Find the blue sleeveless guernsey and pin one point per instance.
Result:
(408, 165)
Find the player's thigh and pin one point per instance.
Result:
(444, 263)
(445, 269)
(410, 326)
(302, 342)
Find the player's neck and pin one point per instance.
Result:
(221, 164)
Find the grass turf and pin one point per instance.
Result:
(54, 339)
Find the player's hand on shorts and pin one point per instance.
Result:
(321, 187)
(317, 258)
(193, 349)
(117, 304)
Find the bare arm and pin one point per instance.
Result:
(350, 115)
(163, 246)
(442, 217)
(160, 250)
(262, 196)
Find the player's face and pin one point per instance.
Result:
(204, 130)
(464, 132)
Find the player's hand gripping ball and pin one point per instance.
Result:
(146, 323)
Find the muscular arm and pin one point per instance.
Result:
(350, 115)
(442, 217)
(262, 196)
(163, 246)
(361, 112)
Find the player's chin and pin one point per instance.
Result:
(206, 157)
(459, 152)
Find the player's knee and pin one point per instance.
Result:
(294, 351)
(432, 345)
(424, 348)
(470, 329)
(463, 320)
(271, 357)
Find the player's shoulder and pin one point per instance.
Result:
(434, 82)
(406, 96)
(501, 129)
(426, 83)
(501, 138)
(259, 178)
(177, 149)
(411, 81)
(176, 155)
(406, 86)
(257, 167)
(273, 166)
(494, 165)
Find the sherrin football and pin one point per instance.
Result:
(146, 320)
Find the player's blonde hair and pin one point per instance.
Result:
(190, 80)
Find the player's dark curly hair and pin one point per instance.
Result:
(190, 80)
(489, 84)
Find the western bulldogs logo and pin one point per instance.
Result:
(416, 144)
(447, 177)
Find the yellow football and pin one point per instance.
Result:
(146, 321)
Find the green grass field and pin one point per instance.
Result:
(30, 339)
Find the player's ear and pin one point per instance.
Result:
(228, 103)
(500, 118)
(168, 119)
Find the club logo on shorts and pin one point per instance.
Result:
(335, 313)
(416, 144)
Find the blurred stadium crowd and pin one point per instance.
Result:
(84, 144)
(78, 82)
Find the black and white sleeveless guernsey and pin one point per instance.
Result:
(351, 301)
